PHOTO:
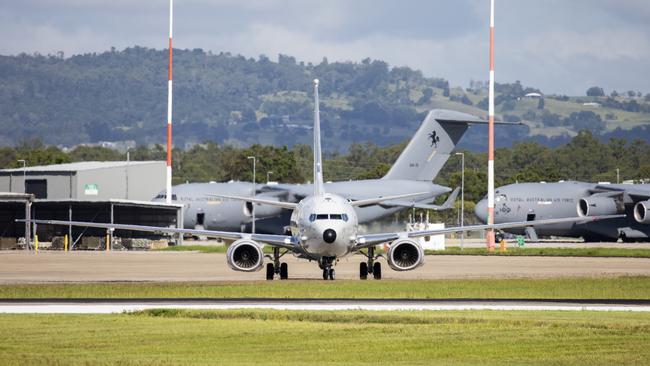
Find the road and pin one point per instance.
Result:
(50, 266)
(102, 306)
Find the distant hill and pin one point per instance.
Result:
(121, 95)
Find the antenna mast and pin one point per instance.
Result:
(168, 182)
(490, 215)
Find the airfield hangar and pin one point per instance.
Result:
(106, 191)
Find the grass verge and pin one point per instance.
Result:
(548, 252)
(173, 337)
(556, 288)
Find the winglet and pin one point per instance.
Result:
(318, 160)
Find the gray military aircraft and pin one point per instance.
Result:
(413, 171)
(324, 228)
(534, 201)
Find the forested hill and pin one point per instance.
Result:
(121, 95)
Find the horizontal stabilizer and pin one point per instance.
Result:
(449, 203)
(287, 205)
(374, 201)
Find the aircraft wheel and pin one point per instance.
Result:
(332, 274)
(270, 271)
(376, 270)
(284, 271)
(363, 270)
(325, 274)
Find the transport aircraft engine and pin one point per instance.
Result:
(245, 255)
(642, 212)
(262, 210)
(405, 254)
(595, 206)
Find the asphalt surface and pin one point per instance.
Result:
(103, 306)
(51, 266)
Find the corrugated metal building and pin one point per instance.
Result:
(92, 180)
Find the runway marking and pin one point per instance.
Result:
(120, 308)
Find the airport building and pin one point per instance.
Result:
(107, 192)
(91, 180)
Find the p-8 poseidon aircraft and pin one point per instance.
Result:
(324, 228)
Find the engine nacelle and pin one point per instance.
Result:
(642, 212)
(262, 210)
(405, 255)
(245, 255)
(595, 206)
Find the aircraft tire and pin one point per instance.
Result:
(332, 274)
(284, 271)
(270, 271)
(363, 270)
(325, 274)
(376, 271)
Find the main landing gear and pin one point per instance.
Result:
(370, 267)
(325, 264)
(277, 268)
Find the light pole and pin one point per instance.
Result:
(268, 175)
(462, 198)
(617, 176)
(254, 191)
(24, 174)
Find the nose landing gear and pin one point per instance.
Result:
(326, 264)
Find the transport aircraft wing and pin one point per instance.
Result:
(638, 191)
(368, 240)
(282, 241)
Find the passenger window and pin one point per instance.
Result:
(335, 217)
(344, 217)
(312, 217)
(321, 217)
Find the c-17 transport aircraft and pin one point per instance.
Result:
(413, 171)
(324, 228)
(534, 201)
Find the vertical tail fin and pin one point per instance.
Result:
(318, 160)
(431, 146)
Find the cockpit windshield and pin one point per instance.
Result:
(314, 217)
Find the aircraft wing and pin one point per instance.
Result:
(368, 240)
(374, 201)
(282, 241)
(637, 191)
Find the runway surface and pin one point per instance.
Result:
(24, 267)
(101, 306)
(48, 267)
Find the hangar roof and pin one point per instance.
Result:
(79, 166)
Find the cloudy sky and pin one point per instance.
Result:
(559, 46)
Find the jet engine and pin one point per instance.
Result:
(405, 255)
(642, 212)
(245, 255)
(262, 210)
(594, 206)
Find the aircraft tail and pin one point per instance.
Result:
(318, 159)
(431, 146)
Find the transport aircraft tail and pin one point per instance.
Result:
(431, 146)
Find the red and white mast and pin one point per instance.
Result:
(490, 215)
(168, 182)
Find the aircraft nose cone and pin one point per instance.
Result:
(329, 236)
(480, 210)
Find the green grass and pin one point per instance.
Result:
(327, 338)
(548, 252)
(556, 288)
